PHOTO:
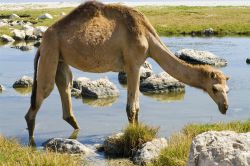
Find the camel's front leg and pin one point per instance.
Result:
(133, 81)
(64, 83)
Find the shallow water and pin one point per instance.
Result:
(170, 113)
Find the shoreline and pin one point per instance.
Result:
(51, 5)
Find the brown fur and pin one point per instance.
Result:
(102, 38)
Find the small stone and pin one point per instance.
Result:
(39, 31)
(26, 48)
(62, 14)
(145, 72)
(248, 60)
(18, 34)
(70, 146)
(200, 57)
(208, 32)
(224, 148)
(14, 16)
(46, 16)
(2, 24)
(113, 145)
(24, 82)
(2, 88)
(6, 38)
(79, 82)
(161, 83)
(149, 151)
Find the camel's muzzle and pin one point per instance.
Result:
(223, 108)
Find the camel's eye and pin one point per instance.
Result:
(215, 90)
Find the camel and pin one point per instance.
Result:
(99, 38)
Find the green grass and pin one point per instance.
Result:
(176, 154)
(178, 20)
(136, 135)
(12, 153)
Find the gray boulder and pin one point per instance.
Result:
(149, 151)
(45, 16)
(161, 83)
(70, 146)
(14, 16)
(23, 46)
(2, 88)
(112, 145)
(101, 88)
(23, 82)
(248, 60)
(18, 34)
(208, 32)
(145, 72)
(225, 148)
(39, 31)
(200, 57)
(6, 38)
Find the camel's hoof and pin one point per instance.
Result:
(74, 134)
(32, 142)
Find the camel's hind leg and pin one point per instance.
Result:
(44, 80)
(133, 94)
(64, 84)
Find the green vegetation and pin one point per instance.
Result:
(136, 135)
(12, 153)
(176, 154)
(168, 20)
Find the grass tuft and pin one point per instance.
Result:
(12, 153)
(136, 135)
(176, 154)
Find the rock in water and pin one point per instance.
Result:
(70, 146)
(101, 88)
(2, 88)
(161, 83)
(24, 82)
(6, 38)
(18, 34)
(76, 93)
(145, 72)
(149, 151)
(46, 16)
(113, 145)
(200, 57)
(224, 148)
(39, 31)
(248, 60)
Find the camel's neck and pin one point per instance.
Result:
(188, 74)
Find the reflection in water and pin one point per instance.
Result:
(100, 102)
(23, 91)
(167, 97)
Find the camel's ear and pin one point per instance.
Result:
(213, 75)
(227, 78)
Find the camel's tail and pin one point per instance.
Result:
(34, 88)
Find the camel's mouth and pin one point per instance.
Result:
(223, 108)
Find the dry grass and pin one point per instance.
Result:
(13, 154)
(176, 154)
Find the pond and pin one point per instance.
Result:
(169, 112)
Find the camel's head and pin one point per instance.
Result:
(217, 89)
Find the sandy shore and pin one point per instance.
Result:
(39, 5)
